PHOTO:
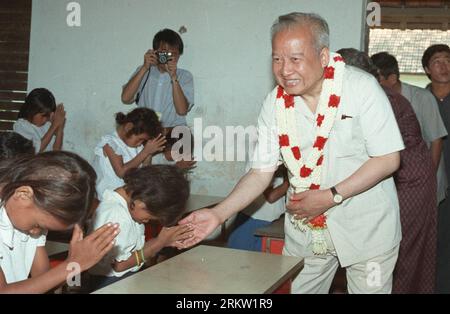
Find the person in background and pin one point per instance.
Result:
(426, 109)
(415, 180)
(436, 63)
(42, 121)
(159, 84)
(136, 138)
(158, 193)
(13, 144)
(49, 191)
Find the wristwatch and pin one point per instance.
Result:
(337, 198)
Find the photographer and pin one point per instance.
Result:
(159, 85)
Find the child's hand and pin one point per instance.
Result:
(169, 236)
(59, 116)
(89, 251)
(155, 145)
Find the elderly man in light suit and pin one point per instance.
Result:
(334, 128)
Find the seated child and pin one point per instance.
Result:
(41, 120)
(260, 213)
(158, 193)
(137, 137)
(13, 144)
(49, 191)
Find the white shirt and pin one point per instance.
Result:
(431, 124)
(106, 176)
(34, 133)
(114, 209)
(368, 224)
(17, 250)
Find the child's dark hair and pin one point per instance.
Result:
(144, 120)
(163, 189)
(39, 100)
(13, 144)
(170, 37)
(63, 183)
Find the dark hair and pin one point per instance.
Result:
(163, 189)
(63, 183)
(144, 120)
(39, 100)
(431, 51)
(386, 64)
(13, 144)
(170, 37)
(358, 59)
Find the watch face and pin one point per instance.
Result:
(337, 198)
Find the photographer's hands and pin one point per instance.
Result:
(171, 68)
(150, 59)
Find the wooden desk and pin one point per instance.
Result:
(272, 236)
(209, 269)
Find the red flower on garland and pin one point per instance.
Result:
(320, 142)
(305, 172)
(284, 140)
(314, 187)
(296, 152)
(319, 222)
(338, 58)
(320, 119)
(280, 92)
(320, 161)
(329, 73)
(334, 101)
(288, 101)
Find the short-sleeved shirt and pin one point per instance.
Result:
(114, 209)
(444, 109)
(34, 133)
(157, 94)
(368, 224)
(106, 176)
(427, 111)
(17, 250)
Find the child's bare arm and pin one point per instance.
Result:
(84, 253)
(274, 194)
(41, 264)
(120, 168)
(167, 237)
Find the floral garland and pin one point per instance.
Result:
(306, 172)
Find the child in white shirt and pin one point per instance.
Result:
(157, 193)
(137, 137)
(50, 191)
(41, 120)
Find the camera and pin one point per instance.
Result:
(164, 56)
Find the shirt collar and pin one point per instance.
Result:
(6, 229)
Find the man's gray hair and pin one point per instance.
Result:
(319, 27)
